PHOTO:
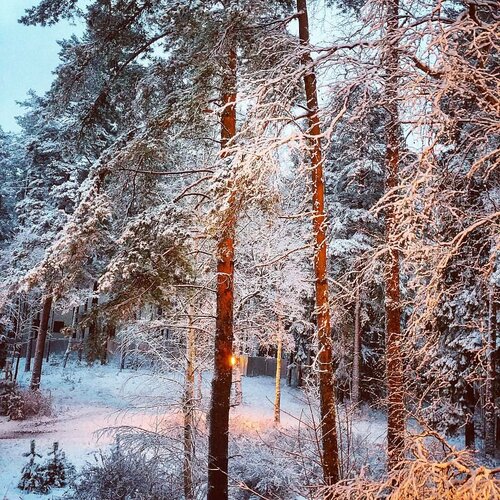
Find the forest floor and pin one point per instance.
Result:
(87, 400)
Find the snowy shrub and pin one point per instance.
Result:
(40, 478)
(36, 403)
(357, 452)
(448, 475)
(7, 387)
(20, 404)
(10, 400)
(124, 475)
(265, 467)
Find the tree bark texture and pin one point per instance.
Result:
(330, 458)
(394, 363)
(218, 439)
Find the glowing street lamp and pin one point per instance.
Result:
(232, 360)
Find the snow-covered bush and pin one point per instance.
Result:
(10, 400)
(271, 465)
(20, 404)
(260, 471)
(125, 475)
(435, 471)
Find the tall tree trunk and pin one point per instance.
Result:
(94, 341)
(290, 368)
(81, 332)
(40, 343)
(394, 364)
(277, 392)
(49, 337)
(356, 362)
(489, 407)
(33, 329)
(123, 355)
(18, 321)
(218, 439)
(189, 407)
(110, 334)
(470, 428)
(16, 326)
(16, 370)
(330, 459)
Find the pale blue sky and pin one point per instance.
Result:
(28, 55)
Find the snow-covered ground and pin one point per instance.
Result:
(89, 399)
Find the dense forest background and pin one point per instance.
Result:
(208, 168)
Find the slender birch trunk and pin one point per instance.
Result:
(490, 417)
(218, 439)
(394, 363)
(277, 395)
(238, 389)
(189, 407)
(40, 343)
(33, 328)
(356, 362)
(330, 459)
(71, 340)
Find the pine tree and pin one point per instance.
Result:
(396, 419)
(58, 470)
(330, 459)
(33, 474)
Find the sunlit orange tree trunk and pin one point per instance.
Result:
(330, 458)
(218, 439)
(394, 362)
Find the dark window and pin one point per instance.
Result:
(58, 326)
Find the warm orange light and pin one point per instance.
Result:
(233, 360)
